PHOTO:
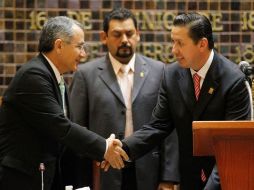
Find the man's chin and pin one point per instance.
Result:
(125, 55)
(124, 60)
(74, 68)
(182, 64)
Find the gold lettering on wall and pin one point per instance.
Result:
(237, 56)
(216, 19)
(83, 17)
(160, 51)
(168, 18)
(163, 51)
(37, 20)
(164, 20)
(155, 20)
(148, 20)
(247, 21)
(246, 54)
(244, 21)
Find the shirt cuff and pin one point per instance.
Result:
(106, 148)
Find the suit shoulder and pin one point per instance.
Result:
(35, 65)
(151, 61)
(92, 64)
(173, 67)
(229, 68)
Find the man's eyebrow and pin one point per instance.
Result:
(81, 43)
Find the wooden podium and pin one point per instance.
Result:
(232, 144)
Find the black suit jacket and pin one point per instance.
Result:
(223, 96)
(33, 127)
(98, 104)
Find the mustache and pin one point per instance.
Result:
(124, 46)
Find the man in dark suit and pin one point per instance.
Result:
(33, 126)
(98, 103)
(220, 94)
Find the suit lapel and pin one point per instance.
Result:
(55, 83)
(186, 87)
(140, 74)
(108, 76)
(209, 88)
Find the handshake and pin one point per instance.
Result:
(114, 155)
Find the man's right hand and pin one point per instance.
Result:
(114, 154)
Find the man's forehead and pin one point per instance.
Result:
(120, 24)
(78, 35)
(179, 32)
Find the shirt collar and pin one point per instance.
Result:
(56, 72)
(203, 71)
(117, 65)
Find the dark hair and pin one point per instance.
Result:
(118, 14)
(60, 27)
(199, 27)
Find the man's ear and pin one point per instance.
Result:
(103, 37)
(58, 45)
(138, 35)
(203, 44)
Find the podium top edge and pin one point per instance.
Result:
(222, 124)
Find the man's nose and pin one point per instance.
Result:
(124, 38)
(174, 49)
(83, 53)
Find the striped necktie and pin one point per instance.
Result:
(196, 81)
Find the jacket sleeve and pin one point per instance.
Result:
(238, 102)
(169, 165)
(37, 96)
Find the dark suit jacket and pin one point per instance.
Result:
(98, 103)
(33, 126)
(177, 108)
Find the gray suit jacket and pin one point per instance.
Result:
(98, 103)
(223, 96)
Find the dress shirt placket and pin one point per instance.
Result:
(126, 88)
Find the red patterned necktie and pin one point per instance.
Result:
(203, 176)
(196, 81)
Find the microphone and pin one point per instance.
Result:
(246, 68)
(42, 169)
(248, 71)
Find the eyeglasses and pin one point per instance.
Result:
(82, 47)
